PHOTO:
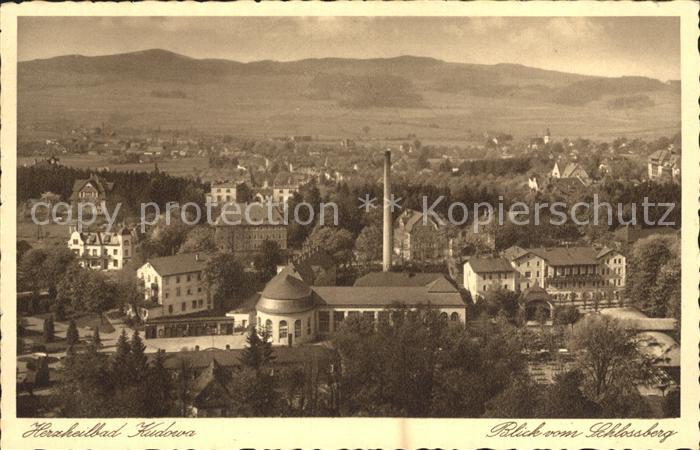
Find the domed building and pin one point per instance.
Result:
(285, 310)
(291, 311)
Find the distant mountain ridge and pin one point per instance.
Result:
(147, 80)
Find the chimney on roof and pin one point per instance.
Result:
(387, 239)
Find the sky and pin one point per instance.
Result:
(607, 46)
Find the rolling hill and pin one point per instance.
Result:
(337, 97)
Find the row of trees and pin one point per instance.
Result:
(424, 368)
(123, 384)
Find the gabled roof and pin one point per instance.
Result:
(102, 186)
(486, 265)
(566, 256)
(514, 252)
(177, 264)
(410, 218)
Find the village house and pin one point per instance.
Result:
(101, 250)
(664, 165)
(572, 170)
(92, 191)
(174, 285)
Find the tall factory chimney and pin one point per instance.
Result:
(388, 225)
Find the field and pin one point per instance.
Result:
(248, 106)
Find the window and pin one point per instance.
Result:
(297, 328)
(177, 292)
(200, 303)
(75, 241)
(177, 279)
(338, 317)
(268, 327)
(368, 316)
(170, 308)
(188, 277)
(323, 322)
(443, 316)
(115, 263)
(199, 289)
(308, 326)
(454, 317)
(189, 291)
(283, 330)
(528, 274)
(194, 304)
(183, 306)
(167, 294)
(115, 252)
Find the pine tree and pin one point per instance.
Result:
(48, 329)
(72, 335)
(158, 389)
(138, 362)
(258, 351)
(96, 341)
(120, 363)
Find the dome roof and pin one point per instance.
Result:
(285, 294)
(535, 292)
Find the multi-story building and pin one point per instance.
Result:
(570, 271)
(484, 274)
(246, 226)
(101, 250)
(222, 192)
(174, 285)
(418, 236)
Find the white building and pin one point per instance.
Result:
(174, 285)
(484, 274)
(222, 192)
(102, 250)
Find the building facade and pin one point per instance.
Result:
(292, 312)
(418, 237)
(92, 191)
(102, 250)
(664, 164)
(222, 192)
(249, 226)
(174, 285)
(484, 274)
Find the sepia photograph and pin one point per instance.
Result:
(338, 216)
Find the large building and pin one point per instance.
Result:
(291, 311)
(249, 225)
(100, 250)
(566, 273)
(174, 285)
(418, 237)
